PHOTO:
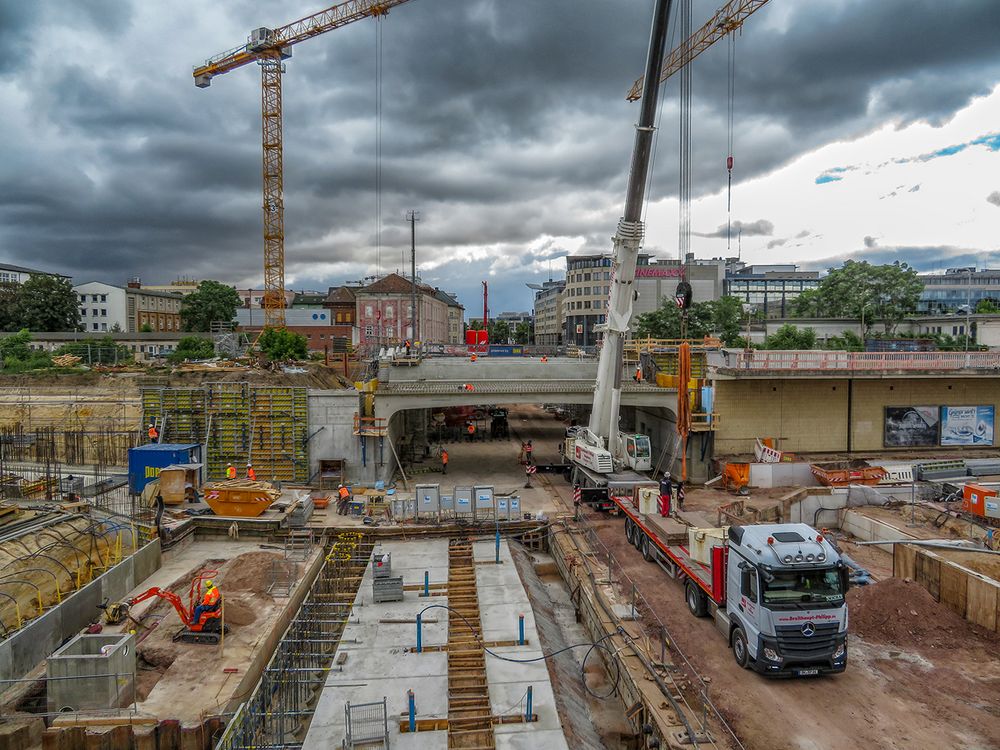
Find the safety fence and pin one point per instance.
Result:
(858, 361)
(278, 711)
(508, 386)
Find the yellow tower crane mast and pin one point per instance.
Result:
(726, 20)
(269, 48)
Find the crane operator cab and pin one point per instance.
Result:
(637, 452)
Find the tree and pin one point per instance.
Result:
(145, 328)
(282, 344)
(722, 317)
(47, 303)
(9, 318)
(17, 355)
(727, 319)
(212, 302)
(848, 342)
(988, 305)
(860, 290)
(790, 337)
(523, 333)
(193, 347)
(499, 331)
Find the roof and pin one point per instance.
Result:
(448, 299)
(308, 298)
(23, 269)
(133, 290)
(341, 294)
(393, 283)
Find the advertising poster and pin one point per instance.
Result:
(966, 425)
(911, 426)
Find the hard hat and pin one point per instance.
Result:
(209, 584)
(249, 464)
(339, 486)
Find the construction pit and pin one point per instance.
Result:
(289, 665)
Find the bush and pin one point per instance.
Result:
(193, 347)
(17, 356)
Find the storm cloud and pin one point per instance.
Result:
(759, 228)
(503, 123)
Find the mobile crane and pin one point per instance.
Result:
(601, 448)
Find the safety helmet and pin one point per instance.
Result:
(249, 465)
(209, 584)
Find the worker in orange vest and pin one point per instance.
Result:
(471, 432)
(251, 474)
(209, 603)
(444, 461)
(544, 358)
(154, 434)
(638, 375)
(230, 471)
(473, 358)
(343, 498)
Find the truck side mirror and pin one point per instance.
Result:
(845, 579)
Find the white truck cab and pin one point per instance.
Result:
(785, 611)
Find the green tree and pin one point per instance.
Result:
(47, 303)
(523, 333)
(988, 305)
(145, 328)
(499, 331)
(282, 344)
(790, 337)
(848, 342)
(213, 301)
(9, 318)
(193, 347)
(723, 317)
(859, 289)
(728, 319)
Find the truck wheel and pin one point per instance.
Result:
(647, 554)
(629, 531)
(740, 651)
(695, 600)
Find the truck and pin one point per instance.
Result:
(775, 591)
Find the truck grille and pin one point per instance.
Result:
(794, 644)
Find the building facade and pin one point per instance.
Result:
(342, 304)
(548, 312)
(456, 317)
(182, 287)
(958, 287)
(10, 274)
(106, 307)
(254, 298)
(384, 313)
(769, 288)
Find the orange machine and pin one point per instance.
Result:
(981, 501)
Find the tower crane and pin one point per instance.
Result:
(726, 20)
(269, 48)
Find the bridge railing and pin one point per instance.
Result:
(512, 385)
(862, 361)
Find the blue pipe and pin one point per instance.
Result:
(527, 707)
(427, 583)
(420, 644)
(412, 710)
(520, 630)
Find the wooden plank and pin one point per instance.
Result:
(954, 584)
(982, 601)
(904, 561)
(929, 573)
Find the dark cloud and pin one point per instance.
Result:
(759, 228)
(994, 198)
(503, 122)
(776, 243)
(870, 241)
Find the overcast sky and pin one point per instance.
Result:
(863, 129)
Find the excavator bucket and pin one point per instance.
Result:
(115, 614)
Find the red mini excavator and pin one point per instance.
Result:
(207, 629)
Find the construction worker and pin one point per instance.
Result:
(343, 498)
(527, 453)
(154, 434)
(251, 474)
(544, 358)
(407, 345)
(470, 432)
(230, 471)
(209, 602)
(473, 358)
(638, 375)
(444, 461)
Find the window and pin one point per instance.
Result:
(369, 330)
(388, 311)
(586, 277)
(95, 326)
(83, 312)
(368, 311)
(340, 317)
(93, 298)
(748, 584)
(83, 297)
(104, 312)
(94, 312)
(104, 326)
(104, 298)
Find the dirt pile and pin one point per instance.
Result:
(902, 613)
(153, 663)
(238, 612)
(250, 572)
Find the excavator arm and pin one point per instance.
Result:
(116, 613)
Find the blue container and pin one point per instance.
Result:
(145, 462)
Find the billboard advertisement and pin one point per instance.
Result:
(966, 425)
(911, 426)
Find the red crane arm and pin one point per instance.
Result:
(297, 31)
(163, 594)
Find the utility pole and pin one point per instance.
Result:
(968, 307)
(413, 218)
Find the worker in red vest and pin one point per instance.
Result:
(444, 461)
(154, 434)
(471, 432)
(343, 498)
(251, 474)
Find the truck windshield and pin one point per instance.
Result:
(793, 587)
(642, 446)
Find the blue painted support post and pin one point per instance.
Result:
(412, 703)
(420, 645)
(520, 630)
(427, 583)
(527, 707)
(498, 546)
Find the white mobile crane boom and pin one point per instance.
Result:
(601, 445)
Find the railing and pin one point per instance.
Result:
(507, 386)
(863, 361)
(369, 426)
(650, 344)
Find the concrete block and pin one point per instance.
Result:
(64, 738)
(92, 672)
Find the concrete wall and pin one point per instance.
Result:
(493, 368)
(28, 647)
(334, 411)
(791, 474)
(809, 415)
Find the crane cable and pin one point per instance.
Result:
(731, 97)
(378, 145)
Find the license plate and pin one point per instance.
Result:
(806, 672)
